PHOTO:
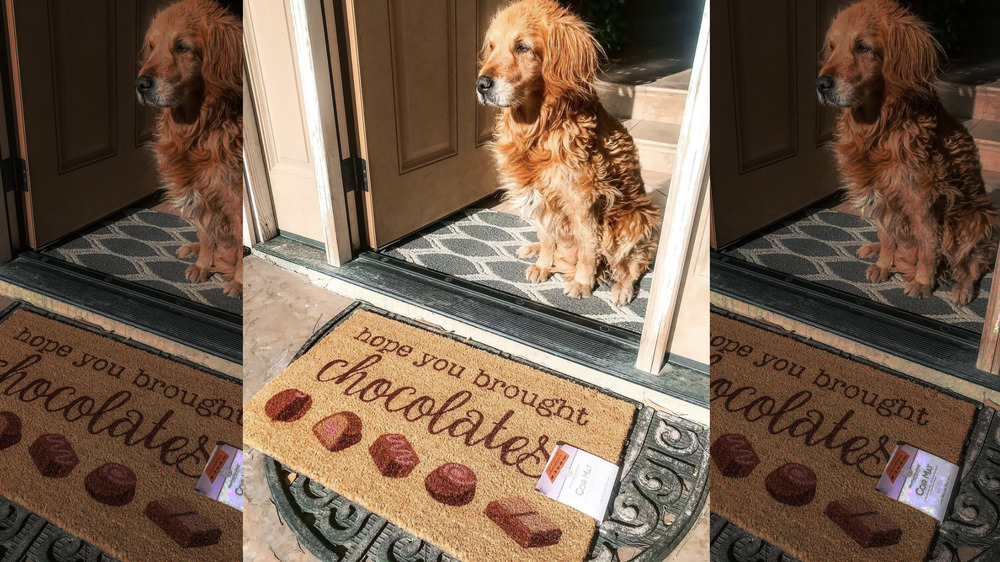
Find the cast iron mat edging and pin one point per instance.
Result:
(140, 246)
(480, 245)
(820, 247)
(27, 535)
(664, 476)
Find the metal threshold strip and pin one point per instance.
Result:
(586, 342)
(217, 333)
(947, 349)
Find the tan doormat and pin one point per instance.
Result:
(108, 441)
(443, 439)
(796, 428)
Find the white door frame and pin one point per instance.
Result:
(677, 237)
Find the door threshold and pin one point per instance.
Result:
(206, 336)
(937, 353)
(588, 350)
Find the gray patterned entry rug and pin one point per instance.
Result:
(821, 247)
(480, 245)
(141, 247)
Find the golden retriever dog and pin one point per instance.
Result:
(906, 163)
(192, 68)
(566, 164)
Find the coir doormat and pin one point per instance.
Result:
(108, 441)
(796, 429)
(443, 439)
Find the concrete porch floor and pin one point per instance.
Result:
(281, 310)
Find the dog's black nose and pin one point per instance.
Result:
(824, 83)
(143, 84)
(483, 84)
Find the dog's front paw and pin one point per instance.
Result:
(918, 290)
(962, 293)
(189, 250)
(622, 293)
(234, 289)
(528, 251)
(537, 274)
(869, 251)
(196, 274)
(576, 290)
(878, 274)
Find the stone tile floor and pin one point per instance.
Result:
(281, 310)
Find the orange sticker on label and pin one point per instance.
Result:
(896, 464)
(558, 462)
(215, 465)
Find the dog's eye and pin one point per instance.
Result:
(862, 48)
(521, 48)
(181, 48)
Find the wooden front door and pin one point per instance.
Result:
(421, 130)
(80, 129)
(770, 136)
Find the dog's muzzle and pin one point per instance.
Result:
(826, 90)
(488, 92)
(147, 92)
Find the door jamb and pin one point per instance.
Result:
(677, 237)
(311, 36)
(260, 223)
(989, 345)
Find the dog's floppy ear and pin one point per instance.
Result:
(223, 65)
(571, 57)
(911, 57)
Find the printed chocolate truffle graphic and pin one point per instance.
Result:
(452, 484)
(339, 431)
(393, 455)
(182, 523)
(792, 484)
(53, 455)
(862, 523)
(10, 430)
(288, 405)
(111, 484)
(734, 455)
(523, 523)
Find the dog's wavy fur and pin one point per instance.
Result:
(193, 52)
(566, 164)
(907, 163)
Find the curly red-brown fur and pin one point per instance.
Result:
(566, 164)
(193, 55)
(906, 162)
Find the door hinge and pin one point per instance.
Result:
(15, 174)
(355, 173)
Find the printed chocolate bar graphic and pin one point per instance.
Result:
(182, 523)
(288, 405)
(111, 484)
(10, 430)
(734, 455)
(393, 455)
(452, 484)
(523, 523)
(53, 455)
(862, 523)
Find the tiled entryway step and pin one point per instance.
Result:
(656, 142)
(662, 100)
(987, 135)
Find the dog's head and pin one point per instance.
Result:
(534, 50)
(875, 49)
(193, 50)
